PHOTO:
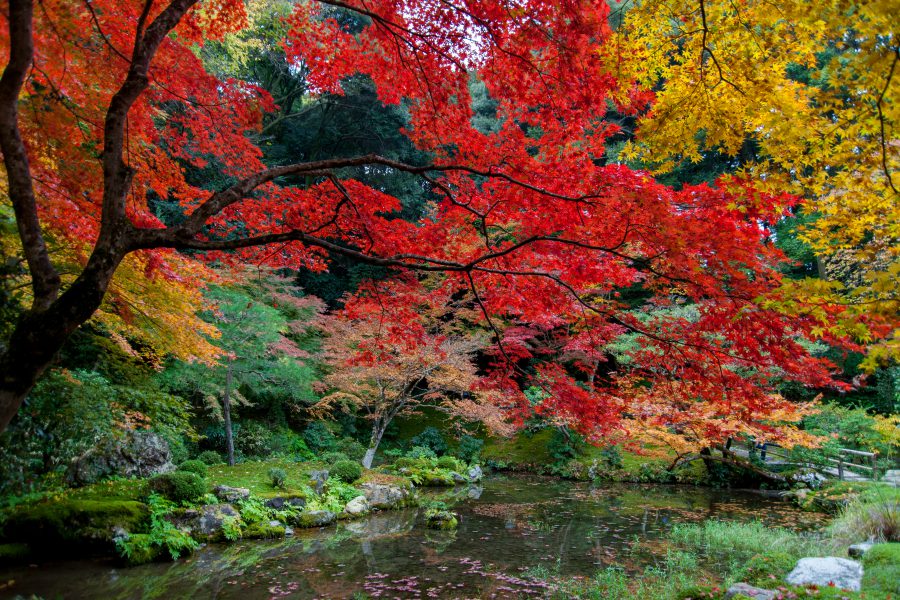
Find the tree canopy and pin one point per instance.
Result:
(122, 145)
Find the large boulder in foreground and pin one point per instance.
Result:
(138, 453)
(387, 496)
(827, 571)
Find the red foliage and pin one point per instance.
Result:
(531, 221)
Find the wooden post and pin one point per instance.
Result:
(840, 467)
(874, 466)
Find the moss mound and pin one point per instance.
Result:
(90, 523)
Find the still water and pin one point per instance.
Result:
(508, 526)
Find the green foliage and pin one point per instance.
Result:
(419, 452)
(450, 463)
(432, 439)
(565, 445)
(264, 325)
(163, 536)
(180, 486)
(69, 412)
(843, 427)
(347, 471)
(329, 458)
(194, 466)
(319, 437)
(351, 447)
(612, 457)
(863, 519)
(469, 449)
(278, 477)
(210, 457)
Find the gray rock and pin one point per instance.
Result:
(745, 589)
(231, 494)
(314, 518)
(475, 473)
(357, 507)
(457, 478)
(206, 523)
(138, 453)
(288, 531)
(841, 572)
(318, 479)
(279, 502)
(474, 492)
(857, 550)
(386, 496)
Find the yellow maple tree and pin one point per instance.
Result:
(803, 94)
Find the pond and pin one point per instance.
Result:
(508, 525)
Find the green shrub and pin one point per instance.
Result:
(73, 521)
(405, 462)
(612, 457)
(347, 471)
(277, 477)
(180, 486)
(469, 449)
(448, 462)
(255, 439)
(329, 458)
(318, 437)
(210, 457)
(431, 438)
(194, 466)
(289, 444)
(420, 452)
(352, 448)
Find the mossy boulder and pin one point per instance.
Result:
(388, 496)
(264, 531)
(314, 518)
(89, 524)
(138, 453)
(444, 520)
(209, 523)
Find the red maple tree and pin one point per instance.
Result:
(103, 104)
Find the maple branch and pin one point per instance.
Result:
(708, 50)
(44, 276)
(884, 163)
(116, 174)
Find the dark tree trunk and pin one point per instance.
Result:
(39, 335)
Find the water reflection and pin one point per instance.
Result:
(507, 526)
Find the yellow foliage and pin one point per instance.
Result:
(813, 85)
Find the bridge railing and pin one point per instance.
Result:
(858, 462)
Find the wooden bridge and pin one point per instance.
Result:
(849, 465)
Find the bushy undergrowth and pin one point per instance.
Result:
(347, 471)
(163, 537)
(868, 518)
(180, 486)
